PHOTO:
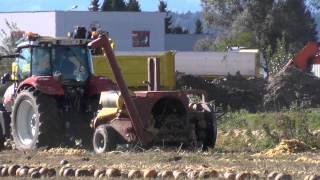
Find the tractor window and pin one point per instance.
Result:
(24, 63)
(41, 61)
(71, 62)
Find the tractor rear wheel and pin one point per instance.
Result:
(104, 139)
(35, 120)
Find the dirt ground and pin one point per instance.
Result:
(297, 165)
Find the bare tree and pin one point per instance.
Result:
(94, 6)
(8, 42)
(9, 38)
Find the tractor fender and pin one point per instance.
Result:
(45, 84)
(98, 84)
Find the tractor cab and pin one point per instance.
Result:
(64, 59)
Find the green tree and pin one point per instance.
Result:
(265, 19)
(222, 13)
(293, 18)
(279, 58)
(113, 5)
(168, 20)
(133, 5)
(278, 28)
(107, 5)
(243, 39)
(94, 5)
(199, 28)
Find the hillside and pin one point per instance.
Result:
(187, 20)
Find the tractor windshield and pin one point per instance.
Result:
(72, 62)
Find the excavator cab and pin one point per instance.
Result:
(306, 58)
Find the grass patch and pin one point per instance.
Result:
(244, 131)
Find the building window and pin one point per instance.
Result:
(140, 38)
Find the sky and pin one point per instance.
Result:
(45, 5)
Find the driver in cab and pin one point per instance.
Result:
(41, 62)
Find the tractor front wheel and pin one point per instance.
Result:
(104, 139)
(35, 121)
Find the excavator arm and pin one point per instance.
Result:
(306, 57)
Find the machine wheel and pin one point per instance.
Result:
(35, 121)
(2, 139)
(104, 139)
(211, 131)
(4, 118)
(206, 130)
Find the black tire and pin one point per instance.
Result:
(211, 130)
(35, 121)
(3, 125)
(104, 139)
(2, 138)
(206, 129)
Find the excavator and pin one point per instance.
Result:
(308, 56)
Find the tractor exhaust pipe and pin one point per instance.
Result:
(153, 74)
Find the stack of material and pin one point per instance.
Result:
(231, 92)
(287, 147)
(292, 86)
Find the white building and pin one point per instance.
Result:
(132, 31)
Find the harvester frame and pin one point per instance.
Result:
(153, 116)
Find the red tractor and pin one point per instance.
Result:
(54, 93)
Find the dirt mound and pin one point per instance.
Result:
(231, 92)
(292, 86)
(287, 147)
(254, 94)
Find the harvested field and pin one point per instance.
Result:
(285, 158)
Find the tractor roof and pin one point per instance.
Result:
(36, 40)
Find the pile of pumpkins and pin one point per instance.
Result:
(67, 170)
